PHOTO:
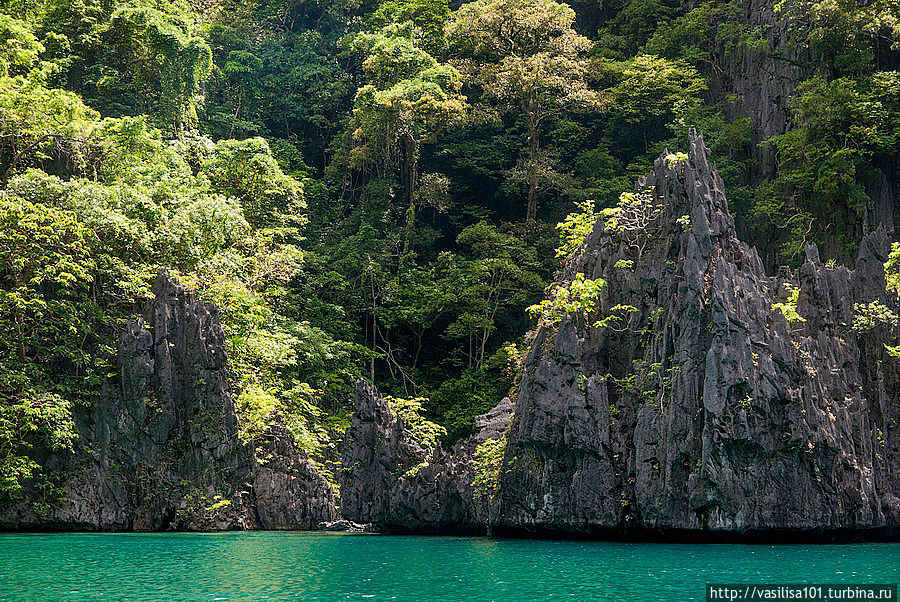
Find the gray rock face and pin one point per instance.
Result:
(389, 480)
(289, 492)
(762, 80)
(703, 411)
(706, 409)
(164, 453)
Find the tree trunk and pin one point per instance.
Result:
(408, 176)
(485, 335)
(20, 331)
(374, 334)
(534, 149)
(410, 168)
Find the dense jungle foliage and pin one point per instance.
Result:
(371, 187)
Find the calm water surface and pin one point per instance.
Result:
(318, 566)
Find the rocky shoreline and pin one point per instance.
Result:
(707, 414)
(706, 417)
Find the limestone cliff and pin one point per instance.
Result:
(703, 411)
(758, 81)
(706, 409)
(391, 481)
(162, 452)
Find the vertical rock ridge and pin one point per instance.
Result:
(389, 480)
(710, 411)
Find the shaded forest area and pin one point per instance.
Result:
(372, 189)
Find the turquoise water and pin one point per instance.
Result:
(318, 566)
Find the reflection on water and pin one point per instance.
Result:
(320, 566)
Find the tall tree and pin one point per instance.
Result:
(157, 56)
(410, 99)
(526, 56)
(429, 18)
(36, 122)
(500, 274)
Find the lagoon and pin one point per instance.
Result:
(328, 566)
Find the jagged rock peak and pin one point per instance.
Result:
(376, 454)
(692, 186)
(704, 408)
(289, 492)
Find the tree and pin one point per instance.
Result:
(527, 57)
(242, 83)
(38, 123)
(299, 90)
(634, 218)
(45, 267)
(845, 33)
(42, 250)
(892, 269)
(410, 100)
(650, 94)
(428, 16)
(247, 171)
(578, 298)
(840, 127)
(575, 228)
(157, 54)
(500, 274)
(19, 48)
